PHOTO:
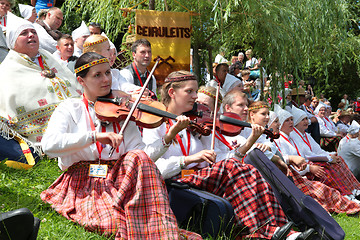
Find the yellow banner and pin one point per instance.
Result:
(169, 34)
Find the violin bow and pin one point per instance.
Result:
(215, 115)
(133, 107)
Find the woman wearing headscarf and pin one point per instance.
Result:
(32, 85)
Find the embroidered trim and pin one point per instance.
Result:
(258, 107)
(209, 94)
(180, 78)
(93, 63)
(93, 43)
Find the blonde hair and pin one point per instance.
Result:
(91, 45)
(165, 98)
(256, 106)
(211, 92)
(249, 51)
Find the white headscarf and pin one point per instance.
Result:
(230, 82)
(110, 42)
(25, 11)
(282, 114)
(14, 27)
(298, 115)
(272, 117)
(354, 128)
(317, 109)
(83, 30)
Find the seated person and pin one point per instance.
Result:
(326, 167)
(137, 72)
(313, 128)
(64, 52)
(28, 12)
(79, 36)
(344, 122)
(130, 201)
(329, 198)
(259, 216)
(349, 149)
(48, 29)
(330, 137)
(33, 83)
(95, 28)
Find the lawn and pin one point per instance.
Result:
(21, 188)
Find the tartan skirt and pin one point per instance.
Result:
(257, 211)
(130, 203)
(330, 144)
(329, 198)
(339, 176)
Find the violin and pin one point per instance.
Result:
(237, 122)
(116, 106)
(202, 115)
(201, 119)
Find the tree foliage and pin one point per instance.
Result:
(309, 39)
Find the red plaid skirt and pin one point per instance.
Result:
(257, 211)
(130, 203)
(330, 144)
(339, 177)
(329, 198)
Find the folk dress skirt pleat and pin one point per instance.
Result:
(257, 211)
(130, 203)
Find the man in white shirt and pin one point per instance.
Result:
(137, 72)
(48, 29)
(5, 6)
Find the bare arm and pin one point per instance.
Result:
(33, 3)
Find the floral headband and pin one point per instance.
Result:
(93, 43)
(93, 63)
(209, 94)
(258, 107)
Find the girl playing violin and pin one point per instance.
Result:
(121, 196)
(258, 214)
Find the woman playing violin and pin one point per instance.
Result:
(258, 214)
(121, 196)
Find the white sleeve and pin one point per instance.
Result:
(324, 132)
(133, 141)
(46, 42)
(168, 167)
(120, 83)
(58, 141)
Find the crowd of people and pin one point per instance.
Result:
(113, 183)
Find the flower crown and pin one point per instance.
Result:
(90, 64)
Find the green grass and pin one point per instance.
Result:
(22, 188)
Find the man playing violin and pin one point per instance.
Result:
(121, 195)
(189, 160)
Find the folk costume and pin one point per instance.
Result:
(129, 200)
(133, 75)
(31, 89)
(329, 140)
(329, 198)
(257, 215)
(339, 175)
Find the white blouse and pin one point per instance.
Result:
(69, 136)
(169, 163)
(314, 150)
(326, 128)
(349, 150)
